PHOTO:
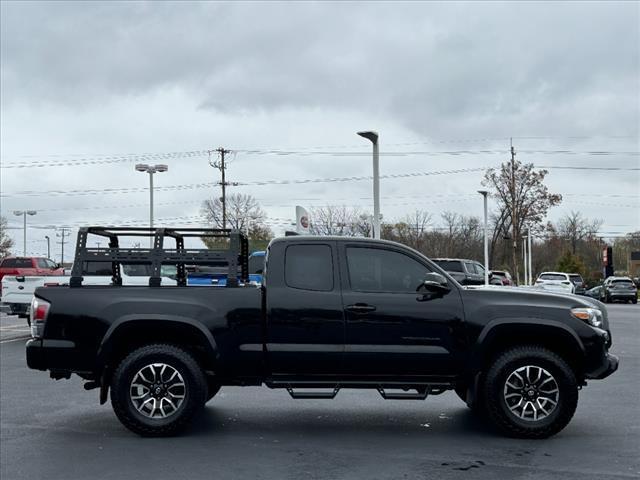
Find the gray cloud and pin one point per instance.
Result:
(137, 77)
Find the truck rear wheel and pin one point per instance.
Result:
(530, 392)
(157, 389)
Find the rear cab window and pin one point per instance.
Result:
(553, 276)
(309, 267)
(623, 282)
(17, 263)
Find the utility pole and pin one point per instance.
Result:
(64, 233)
(220, 165)
(48, 246)
(514, 213)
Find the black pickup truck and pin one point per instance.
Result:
(331, 313)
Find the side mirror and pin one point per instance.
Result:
(434, 282)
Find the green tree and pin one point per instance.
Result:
(6, 242)
(570, 263)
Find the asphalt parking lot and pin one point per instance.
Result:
(56, 430)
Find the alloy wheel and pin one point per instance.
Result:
(157, 390)
(531, 393)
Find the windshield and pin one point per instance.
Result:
(576, 279)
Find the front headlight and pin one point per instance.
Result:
(592, 316)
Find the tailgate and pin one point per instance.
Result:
(20, 289)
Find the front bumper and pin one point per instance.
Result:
(607, 367)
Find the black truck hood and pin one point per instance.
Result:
(530, 297)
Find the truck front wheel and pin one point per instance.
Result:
(530, 392)
(157, 389)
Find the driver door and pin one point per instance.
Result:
(391, 329)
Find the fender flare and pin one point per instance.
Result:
(106, 344)
(493, 328)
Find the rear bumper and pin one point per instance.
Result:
(50, 354)
(620, 295)
(607, 367)
(18, 308)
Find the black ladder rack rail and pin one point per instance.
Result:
(236, 256)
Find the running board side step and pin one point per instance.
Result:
(311, 395)
(419, 394)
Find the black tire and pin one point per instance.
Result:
(634, 301)
(493, 392)
(194, 391)
(212, 389)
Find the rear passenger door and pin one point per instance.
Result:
(305, 322)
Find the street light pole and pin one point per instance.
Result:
(373, 137)
(151, 199)
(48, 246)
(24, 214)
(524, 253)
(484, 194)
(530, 255)
(151, 169)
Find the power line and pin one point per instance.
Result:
(103, 191)
(111, 159)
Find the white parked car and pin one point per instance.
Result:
(555, 282)
(17, 291)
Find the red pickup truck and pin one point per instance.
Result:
(29, 266)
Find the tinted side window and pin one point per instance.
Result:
(309, 267)
(97, 268)
(17, 263)
(471, 268)
(450, 265)
(42, 263)
(256, 264)
(377, 270)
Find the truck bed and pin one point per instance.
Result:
(88, 318)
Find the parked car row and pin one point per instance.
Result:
(471, 272)
(615, 289)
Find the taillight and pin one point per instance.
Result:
(38, 316)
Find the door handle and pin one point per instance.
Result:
(360, 308)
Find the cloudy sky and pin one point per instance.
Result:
(90, 89)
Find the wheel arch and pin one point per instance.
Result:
(501, 335)
(132, 331)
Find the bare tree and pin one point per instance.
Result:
(243, 213)
(575, 228)
(339, 220)
(6, 242)
(521, 193)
